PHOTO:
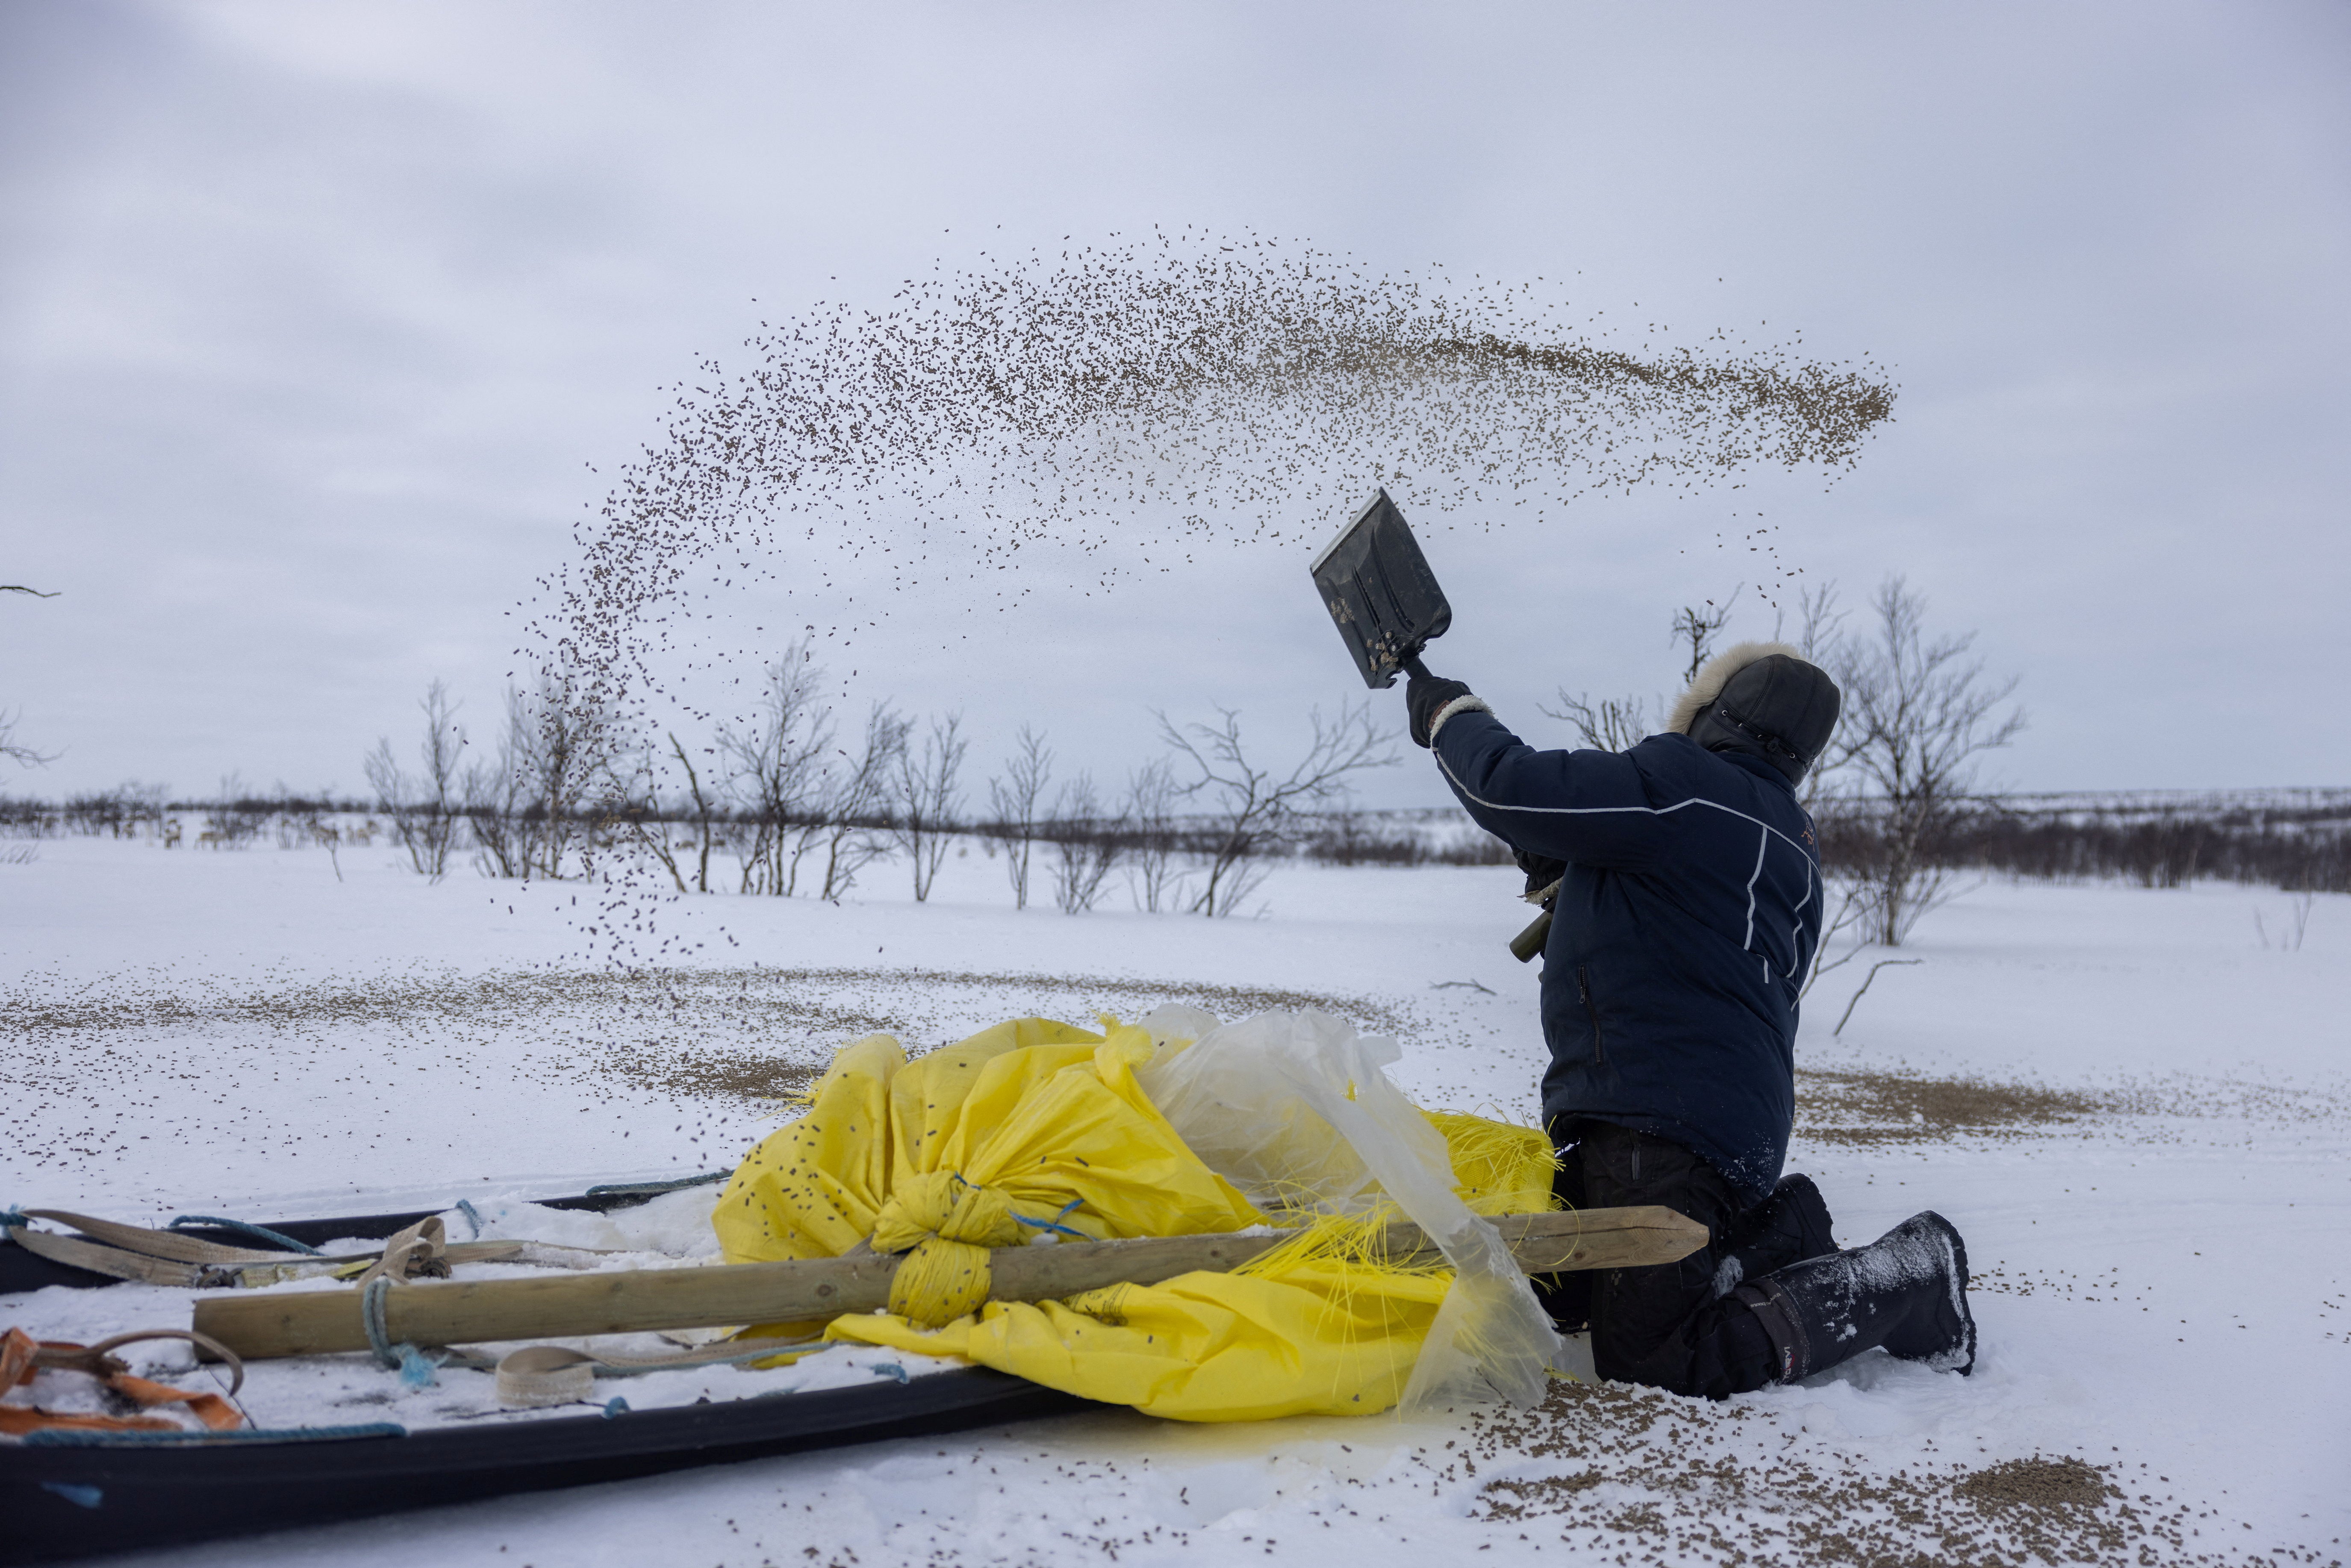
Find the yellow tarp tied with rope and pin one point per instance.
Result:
(1035, 1129)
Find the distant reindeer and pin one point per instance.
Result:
(212, 837)
(171, 832)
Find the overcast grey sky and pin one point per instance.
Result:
(313, 317)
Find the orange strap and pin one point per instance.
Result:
(22, 1357)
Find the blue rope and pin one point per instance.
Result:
(259, 1232)
(473, 1218)
(657, 1187)
(1050, 1225)
(71, 1438)
(372, 1319)
(961, 1180)
(9, 1217)
(416, 1369)
(615, 1406)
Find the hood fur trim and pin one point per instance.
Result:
(1715, 675)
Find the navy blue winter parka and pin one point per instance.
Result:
(1688, 913)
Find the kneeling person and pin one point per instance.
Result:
(1684, 889)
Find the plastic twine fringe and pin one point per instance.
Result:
(1347, 1243)
(1346, 1257)
(1499, 1167)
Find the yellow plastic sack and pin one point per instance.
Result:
(1029, 1128)
(1036, 1128)
(1314, 1328)
(1304, 1331)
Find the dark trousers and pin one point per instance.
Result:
(1662, 1327)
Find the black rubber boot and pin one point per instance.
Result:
(1907, 1291)
(1789, 1227)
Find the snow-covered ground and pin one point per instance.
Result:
(2135, 1104)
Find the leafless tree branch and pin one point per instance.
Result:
(1254, 808)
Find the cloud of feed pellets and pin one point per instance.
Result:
(1082, 414)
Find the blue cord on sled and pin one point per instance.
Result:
(259, 1232)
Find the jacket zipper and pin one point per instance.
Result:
(1592, 1011)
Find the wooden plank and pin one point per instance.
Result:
(311, 1322)
(76, 1253)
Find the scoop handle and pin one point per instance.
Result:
(1527, 944)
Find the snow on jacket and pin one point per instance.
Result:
(1688, 913)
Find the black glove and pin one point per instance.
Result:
(1542, 870)
(1422, 696)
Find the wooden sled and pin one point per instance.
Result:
(75, 1493)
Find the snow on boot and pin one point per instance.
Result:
(1789, 1227)
(1907, 1291)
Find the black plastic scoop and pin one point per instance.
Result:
(1380, 592)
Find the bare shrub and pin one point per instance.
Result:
(925, 792)
(1619, 724)
(25, 818)
(1152, 877)
(1016, 802)
(1694, 628)
(559, 754)
(1254, 810)
(15, 750)
(1347, 838)
(493, 794)
(703, 819)
(123, 813)
(774, 767)
(634, 811)
(424, 806)
(856, 820)
(11, 747)
(1919, 716)
(2298, 845)
(1086, 844)
(561, 747)
(1610, 723)
(1820, 621)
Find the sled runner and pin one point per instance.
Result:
(70, 1494)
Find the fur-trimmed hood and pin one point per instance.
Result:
(1715, 675)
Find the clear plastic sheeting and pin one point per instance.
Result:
(1296, 1109)
(1177, 1127)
